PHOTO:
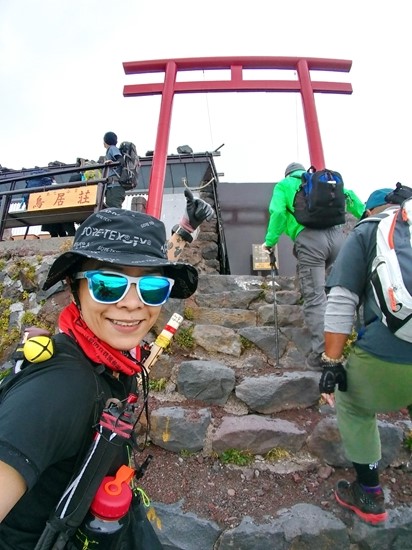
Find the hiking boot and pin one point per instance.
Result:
(313, 361)
(370, 507)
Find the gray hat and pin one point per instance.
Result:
(126, 238)
(292, 167)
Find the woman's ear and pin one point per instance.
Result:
(74, 289)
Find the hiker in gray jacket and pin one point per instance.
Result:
(377, 376)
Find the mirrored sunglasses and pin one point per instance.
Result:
(108, 287)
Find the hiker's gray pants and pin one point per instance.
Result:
(316, 250)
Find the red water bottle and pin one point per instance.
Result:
(108, 515)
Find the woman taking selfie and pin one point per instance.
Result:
(119, 276)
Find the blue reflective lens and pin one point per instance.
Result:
(108, 287)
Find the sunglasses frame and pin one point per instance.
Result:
(130, 280)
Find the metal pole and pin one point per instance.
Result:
(274, 271)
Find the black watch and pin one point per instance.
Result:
(186, 236)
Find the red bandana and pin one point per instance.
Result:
(71, 323)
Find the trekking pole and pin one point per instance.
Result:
(274, 271)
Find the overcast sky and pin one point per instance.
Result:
(62, 83)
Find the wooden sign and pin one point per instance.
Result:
(261, 260)
(63, 198)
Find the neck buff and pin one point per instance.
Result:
(72, 324)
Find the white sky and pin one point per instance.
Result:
(62, 83)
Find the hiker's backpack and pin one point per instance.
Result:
(92, 173)
(130, 166)
(320, 200)
(38, 179)
(73, 505)
(399, 194)
(391, 275)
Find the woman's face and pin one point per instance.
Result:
(122, 325)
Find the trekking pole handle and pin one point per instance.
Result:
(272, 259)
(163, 340)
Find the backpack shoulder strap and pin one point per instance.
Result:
(375, 218)
(63, 346)
(67, 346)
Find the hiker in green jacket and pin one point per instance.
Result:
(315, 251)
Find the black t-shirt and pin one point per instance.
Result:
(46, 422)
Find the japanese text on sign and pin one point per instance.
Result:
(63, 198)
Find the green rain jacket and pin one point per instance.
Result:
(281, 205)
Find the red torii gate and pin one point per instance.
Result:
(169, 87)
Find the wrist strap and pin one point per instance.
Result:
(185, 224)
(328, 359)
(186, 236)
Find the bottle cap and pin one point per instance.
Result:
(113, 497)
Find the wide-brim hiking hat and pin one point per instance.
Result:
(124, 238)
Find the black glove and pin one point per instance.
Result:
(333, 373)
(197, 211)
(272, 258)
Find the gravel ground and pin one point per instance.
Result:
(225, 493)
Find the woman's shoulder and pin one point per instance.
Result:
(64, 365)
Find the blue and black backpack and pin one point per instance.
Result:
(38, 179)
(320, 200)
